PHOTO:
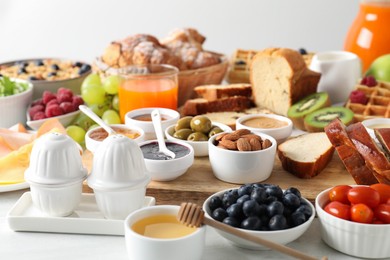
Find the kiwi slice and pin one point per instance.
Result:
(317, 120)
(307, 105)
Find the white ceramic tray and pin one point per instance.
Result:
(86, 219)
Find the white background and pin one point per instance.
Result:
(81, 29)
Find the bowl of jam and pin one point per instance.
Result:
(161, 167)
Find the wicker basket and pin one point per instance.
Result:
(188, 79)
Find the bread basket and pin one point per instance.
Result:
(188, 79)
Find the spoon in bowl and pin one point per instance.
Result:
(156, 119)
(86, 110)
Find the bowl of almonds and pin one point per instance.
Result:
(242, 156)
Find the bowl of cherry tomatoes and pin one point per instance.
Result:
(355, 219)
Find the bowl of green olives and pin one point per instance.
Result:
(263, 210)
(196, 131)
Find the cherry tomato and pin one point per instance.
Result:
(365, 195)
(388, 201)
(340, 193)
(384, 191)
(382, 212)
(362, 213)
(339, 210)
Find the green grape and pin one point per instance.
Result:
(91, 79)
(93, 94)
(111, 84)
(111, 117)
(83, 121)
(93, 126)
(76, 133)
(99, 109)
(115, 103)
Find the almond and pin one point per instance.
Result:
(243, 145)
(232, 136)
(267, 143)
(231, 145)
(255, 144)
(242, 131)
(219, 137)
(250, 136)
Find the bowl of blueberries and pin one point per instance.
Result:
(263, 210)
(48, 73)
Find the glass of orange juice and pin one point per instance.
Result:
(151, 85)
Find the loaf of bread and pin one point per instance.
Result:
(214, 92)
(349, 155)
(200, 106)
(306, 155)
(280, 78)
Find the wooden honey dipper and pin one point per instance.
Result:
(192, 215)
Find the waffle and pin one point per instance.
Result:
(378, 104)
(241, 62)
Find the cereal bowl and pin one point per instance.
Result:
(95, 136)
(13, 107)
(282, 236)
(279, 127)
(200, 147)
(48, 73)
(242, 166)
(160, 167)
(352, 238)
(177, 242)
(141, 118)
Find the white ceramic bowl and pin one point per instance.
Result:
(356, 239)
(65, 120)
(200, 147)
(242, 167)
(372, 123)
(172, 116)
(283, 237)
(93, 144)
(279, 133)
(189, 247)
(167, 170)
(13, 108)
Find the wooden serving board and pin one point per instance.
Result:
(199, 182)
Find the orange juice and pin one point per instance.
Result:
(161, 226)
(368, 36)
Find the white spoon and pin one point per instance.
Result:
(86, 110)
(156, 119)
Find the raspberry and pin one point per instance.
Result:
(369, 81)
(358, 96)
(53, 101)
(53, 110)
(77, 101)
(39, 115)
(34, 109)
(64, 97)
(67, 107)
(37, 102)
(67, 91)
(47, 96)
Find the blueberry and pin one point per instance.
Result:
(52, 74)
(274, 190)
(305, 209)
(245, 189)
(302, 51)
(77, 64)
(231, 221)
(297, 218)
(219, 214)
(243, 198)
(229, 198)
(259, 195)
(251, 208)
(22, 70)
(215, 202)
(235, 211)
(84, 68)
(23, 64)
(32, 78)
(54, 67)
(39, 63)
(271, 199)
(251, 223)
(277, 222)
(291, 200)
(294, 191)
(287, 212)
(275, 208)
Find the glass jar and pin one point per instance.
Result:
(369, 36)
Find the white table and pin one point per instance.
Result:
(56, 246)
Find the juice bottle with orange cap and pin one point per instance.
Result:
(369, 35)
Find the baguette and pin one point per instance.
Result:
(306, 155)
(214, 92)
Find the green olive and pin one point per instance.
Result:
(201, 124)
(215, 130)
(184, 122)
(197, 136)
(182, 133)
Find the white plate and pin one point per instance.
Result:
(86, 219)
(13, 187)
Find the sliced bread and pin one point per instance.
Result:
(280, 78)
(383, 136)
(306, 155)
(214, 92)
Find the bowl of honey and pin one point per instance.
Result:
(155, 233)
